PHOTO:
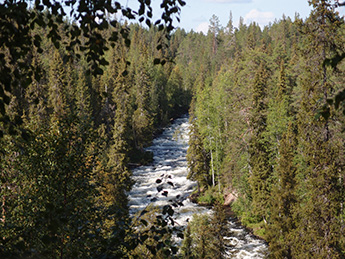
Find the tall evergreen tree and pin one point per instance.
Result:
(142, 117)
(57, 85)
(284, 200)
(197, 157)
(260, 170)
(321, 191)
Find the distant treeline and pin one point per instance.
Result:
(263, 127)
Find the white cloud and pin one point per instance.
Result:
(230, 1)
(202, 27)
(262, 18)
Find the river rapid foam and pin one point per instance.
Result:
(170, 164)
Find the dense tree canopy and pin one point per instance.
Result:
(82, 93)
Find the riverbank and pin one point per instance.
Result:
(169, 151)
(255, 229)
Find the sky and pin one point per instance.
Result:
(197, 13)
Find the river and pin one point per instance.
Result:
(169, 150)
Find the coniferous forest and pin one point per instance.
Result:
(80, 101)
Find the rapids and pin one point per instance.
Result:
(170, 164)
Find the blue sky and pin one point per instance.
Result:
(197, 13)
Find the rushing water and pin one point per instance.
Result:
(169, 150)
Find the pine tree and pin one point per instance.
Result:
(116, 177)
(218, 231)
(278, 115)
(186, 248)
(319, 230)
(214, 30)
(197, 158)
(282, 224)
(175, 94)
(36, 96)
(57, 85)
(83, 101)
(142, 117)
(260, 175)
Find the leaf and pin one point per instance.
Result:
(180, 235)
(333, 62)
(152, 249)
(143, 212)
(144, 222)
(149, 14)
(18, 120)
(182, 3)
(329, 101)
(170, 211)
(103, 62)
(158, 180)
(167, 253)
(141, 9)
(2, 107)
(174, 250)
(125, 73)
(160, 245)
(6, 99)
(340, 97)
(143, 238)
(113, 23)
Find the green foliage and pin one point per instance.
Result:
(280, 231)
(53, 215)
(269, 119)
(80, 100)
(197, 157)
(89, 33)
(204, 235)
(64, 187)
(210, 197)
(260, 170)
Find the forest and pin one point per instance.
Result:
(77, 111)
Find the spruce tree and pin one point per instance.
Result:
(197, 158)
(116, 177)
(57, 84)
(282, 224)
(260, 170)
(36, 95)
(319, 231)
(142, 117)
